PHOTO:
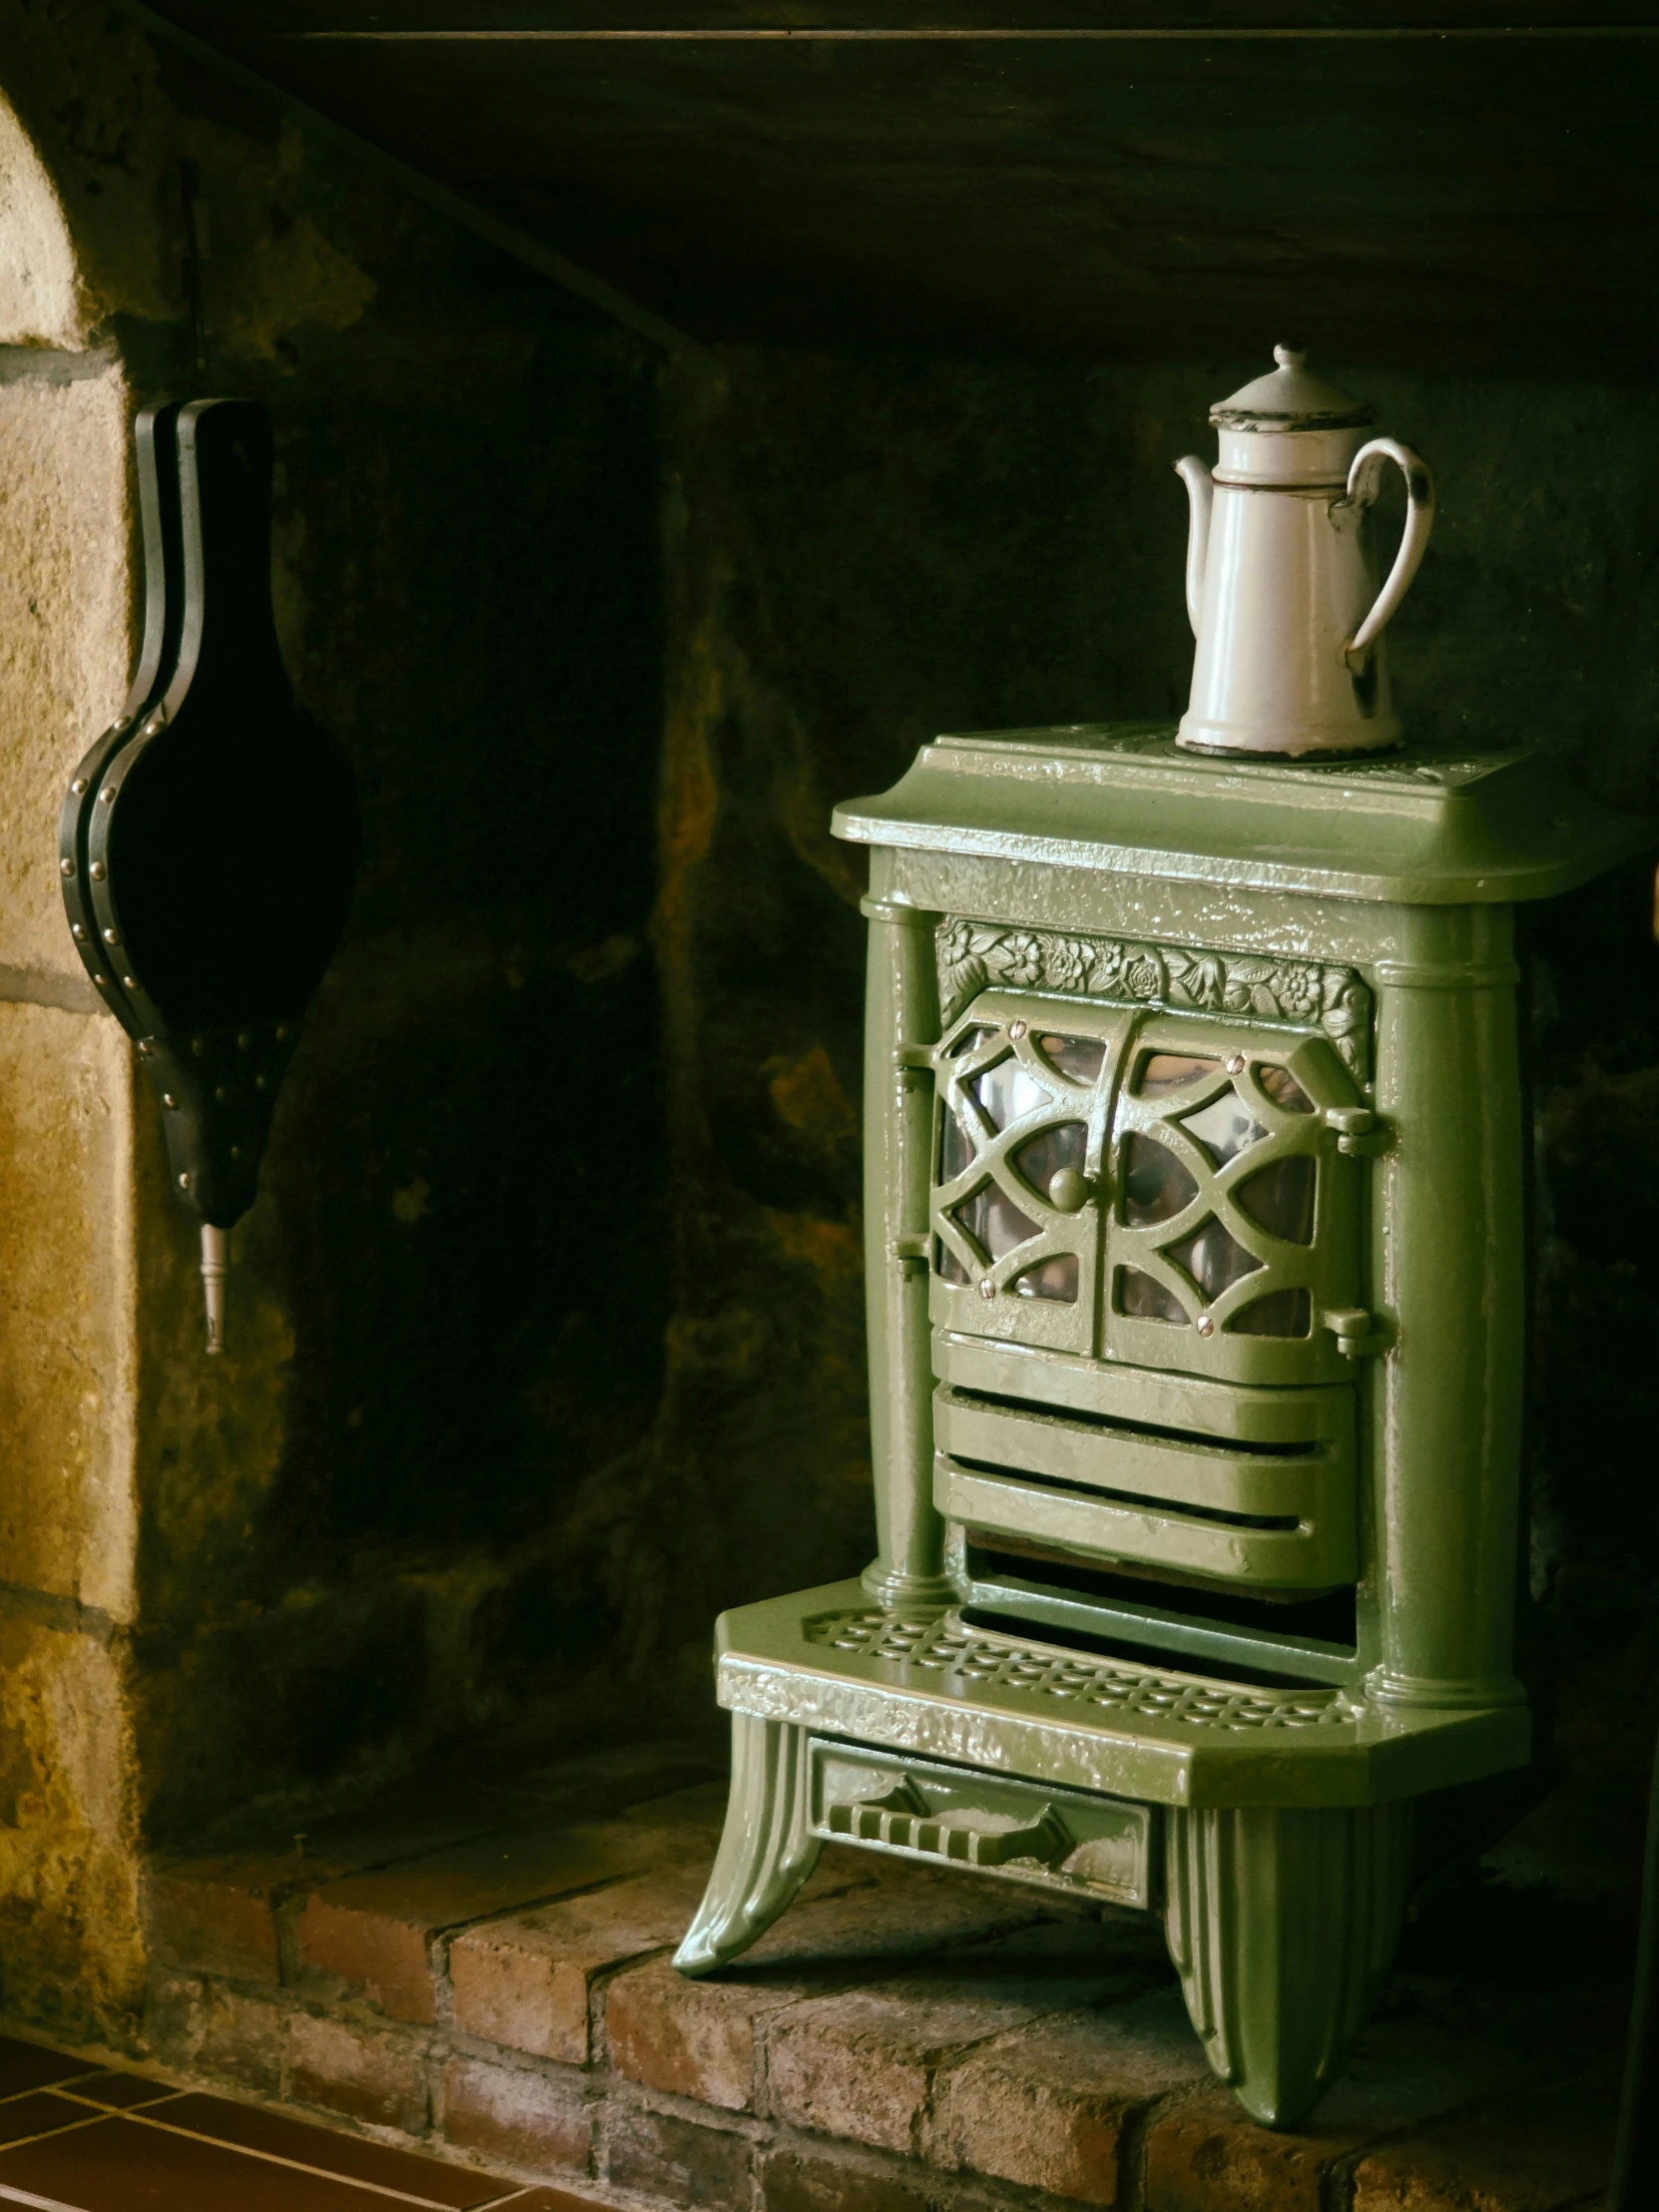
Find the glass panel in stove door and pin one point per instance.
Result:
(1280, 1314)
(969, 1041)
(1023, 1210)
(955, 1148)
(1144, 1296)
(1280, 1199)
(993, 1220)
(949, 1266)
(1214, 1259)
(1277, 1212)
(1225, 1127)
(1156, 1186)
(1284, 1089)
(1009, 1091)
(1054, 1279)
(1169, 1071)
(1082, 1058)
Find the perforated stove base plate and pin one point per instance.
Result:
(825, 1659)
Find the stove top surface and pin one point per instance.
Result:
(1422, 825)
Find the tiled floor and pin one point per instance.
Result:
(73, 2140)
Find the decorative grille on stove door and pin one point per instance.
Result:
(1156, 1188)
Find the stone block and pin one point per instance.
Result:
(701, 2039)
(863, 2064)
(684, 2161)
(218, 1915)
(698, 2040)
(527, 1981)
(1046, 2106)
(375, 1932)
(517, 2116)
(1205, 2153)
(559, 2200)
(1539, 2153)
(362, 1938)
(365, 2073)
(64, 616)
(799, 2179)
(70, 1930)
(201, 2028)
(697, 1807)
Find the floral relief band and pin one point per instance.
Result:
(973, 954)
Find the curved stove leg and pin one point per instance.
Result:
(766, 1849)
(1281, 1923)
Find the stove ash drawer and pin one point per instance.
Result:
(1098, 1847)
(1205, 1506)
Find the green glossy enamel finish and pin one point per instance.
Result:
(1417, 827)
(1194, 1236)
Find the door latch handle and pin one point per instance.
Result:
(1069, 1191)
(1357, 1332)
(1359, 1132)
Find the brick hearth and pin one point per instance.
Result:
(482, 1967)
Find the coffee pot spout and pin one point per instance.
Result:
(1201, 492)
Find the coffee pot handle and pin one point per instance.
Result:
(1365, 480)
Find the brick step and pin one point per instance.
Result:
(481, 1969)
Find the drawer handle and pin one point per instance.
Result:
(901, 1818)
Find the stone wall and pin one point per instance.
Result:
(383, 1516)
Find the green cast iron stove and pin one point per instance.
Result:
(1193, 1213)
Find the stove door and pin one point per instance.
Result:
(1234, 1221)
(1161, 1189)
(1022, 1130)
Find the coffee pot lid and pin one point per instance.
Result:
(1288, 399)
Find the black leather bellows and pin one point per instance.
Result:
(208, 841)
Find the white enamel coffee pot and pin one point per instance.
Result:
(1280, 576)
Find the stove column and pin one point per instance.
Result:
(902, 1023)
(1447, 1246)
